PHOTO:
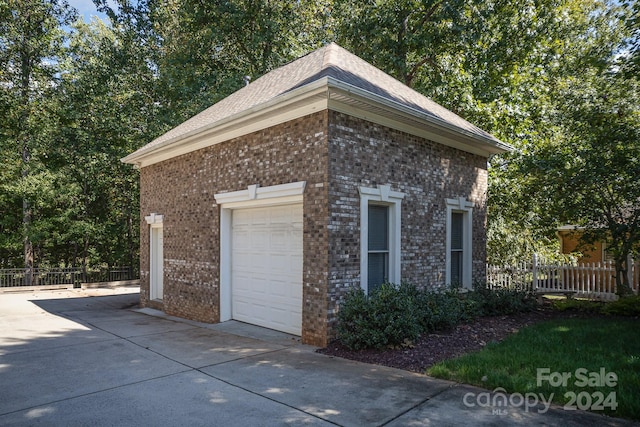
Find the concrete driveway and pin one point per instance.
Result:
(79, 358)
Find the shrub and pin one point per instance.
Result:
(626, 306)
(498, 302)
(386, 318)
(443, 309)
(396, 315)
(572, 304)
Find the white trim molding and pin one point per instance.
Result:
(382, 195)
(253, 197)
(462, 205)
(154, 218)
(156, 256)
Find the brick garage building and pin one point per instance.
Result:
(323, 175)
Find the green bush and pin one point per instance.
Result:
(626, 306)
(499, 302)
(396, 315)
(386, 318)
(443, 309)
(572, 304)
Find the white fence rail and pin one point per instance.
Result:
(585, 280)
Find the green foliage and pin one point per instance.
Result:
(444, 309)
(626, 306)
(562, 346)
(31, 48)
(85, 107)
(630, 62)
(386, 318)
(497, 302)
(538, 75)
(596, 162)
(396, 315)
(580, 305)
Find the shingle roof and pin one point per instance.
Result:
(329, 61)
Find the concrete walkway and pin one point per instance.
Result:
(89, 357)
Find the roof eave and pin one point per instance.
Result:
(313, 97)
(279, 102)
(493, 145)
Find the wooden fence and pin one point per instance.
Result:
(585, 280)
(17, 277)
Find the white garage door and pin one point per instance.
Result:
(266, 267)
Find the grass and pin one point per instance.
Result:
(561, 346)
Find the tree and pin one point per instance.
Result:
(590, 177)
(89, 101)
(207, 47)
(631, 60)
(106, 109)
(498, 64)
(31, 44)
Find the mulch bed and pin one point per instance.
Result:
(435, 347)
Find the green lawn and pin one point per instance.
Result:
(561, 346)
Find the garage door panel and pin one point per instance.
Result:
(296, 259)
(242, 239)
(259, 239)
(243, 261)
(258, 264)
(279, 292)
(267, 267)
(242, 283)
(280, 240)
(281, 263)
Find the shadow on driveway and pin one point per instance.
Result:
(93, 358)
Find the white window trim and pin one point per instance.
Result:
(154, 219)
(384, 196)
(253, 197)
(461, 204)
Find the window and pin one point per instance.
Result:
(457, 251)
(607, 255)
(459, 259)
(378, 246)
(379, 236)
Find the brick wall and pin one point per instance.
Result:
(354, 153)
(362, 153)
(182, 189)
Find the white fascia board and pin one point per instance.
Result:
(433, 128)
(298, 103)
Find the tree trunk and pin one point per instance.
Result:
(623, 288)
(130, 242)
(27, 212)
(26, 223)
